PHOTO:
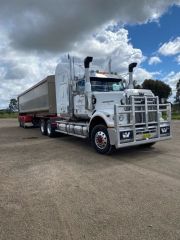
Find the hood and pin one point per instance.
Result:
(136, 92)
(105, 101)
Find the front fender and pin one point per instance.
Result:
(107, 117)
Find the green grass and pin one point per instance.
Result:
(176, 116)
(8, 115)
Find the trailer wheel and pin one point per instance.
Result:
(50, 130)
(100, 139)
(43, 127)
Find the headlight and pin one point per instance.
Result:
(123, 101)
(121, 117)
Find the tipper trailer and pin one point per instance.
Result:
(101, 106)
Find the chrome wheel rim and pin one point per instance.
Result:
(101, 140)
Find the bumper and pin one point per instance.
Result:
(147, 121)
(139, 137)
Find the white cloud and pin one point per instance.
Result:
(140, 74)
(20, 70)
(37, 35)
(52, 25)
(154, 60)
(105, 44)
(170, 48)
(172, 79)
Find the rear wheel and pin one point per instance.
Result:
(100, 139)
(50, 129)
(43, 127)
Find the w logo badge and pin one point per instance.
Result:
(164, 130)
(126, 134)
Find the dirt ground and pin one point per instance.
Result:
(62, 189)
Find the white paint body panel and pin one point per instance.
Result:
(62, 77)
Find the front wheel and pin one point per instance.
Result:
(100, 139)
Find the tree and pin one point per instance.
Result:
(178, 92)
(159, 88)
(13, 105)
(136, 85)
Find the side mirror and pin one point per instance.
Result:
(125, 83)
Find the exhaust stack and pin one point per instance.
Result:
(131, 67)
(87, 62)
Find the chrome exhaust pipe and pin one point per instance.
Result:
(131, 67)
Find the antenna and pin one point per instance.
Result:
(70, 67)
(109, 65)
(73, 69)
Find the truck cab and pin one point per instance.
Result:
(104, 107)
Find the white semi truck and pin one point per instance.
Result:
(101, 106)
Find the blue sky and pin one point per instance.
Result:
(149, 37)
(33, 40)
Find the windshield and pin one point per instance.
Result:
(102, 84)
(106, 84)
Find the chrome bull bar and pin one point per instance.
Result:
(145, 121)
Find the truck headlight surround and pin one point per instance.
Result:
(94, 100)
(123, 101)
(121, 117)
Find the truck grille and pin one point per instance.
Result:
(145, 110)
(143, 123)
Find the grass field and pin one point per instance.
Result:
(8, 115)
(176, 116)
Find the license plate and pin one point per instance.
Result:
(146, 135)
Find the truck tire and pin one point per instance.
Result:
(100, 139)
(50, 130)
(43, 127)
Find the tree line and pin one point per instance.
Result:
(159, 88)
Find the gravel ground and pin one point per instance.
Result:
(62, 189)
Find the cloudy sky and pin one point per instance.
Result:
(36, 35)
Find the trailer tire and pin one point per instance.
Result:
(43, 127)
(100, 140)
(50, 130)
